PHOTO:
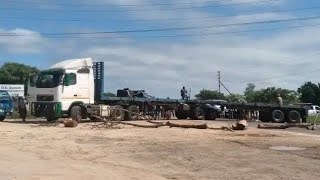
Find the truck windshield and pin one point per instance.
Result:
(4, 96)
(49, 79)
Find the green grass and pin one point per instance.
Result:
(313, 119)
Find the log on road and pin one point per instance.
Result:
(240, 125)
(285, 126)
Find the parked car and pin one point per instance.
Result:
(6, 105)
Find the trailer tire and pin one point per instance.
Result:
(277, 116)
(76, 114)
(181, 114)
(133, 113)
(210, 115)
(118, 113)
(264, 116)
(2, 118)
(294, 116)
(198, 114)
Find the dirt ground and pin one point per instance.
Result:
(29, 151)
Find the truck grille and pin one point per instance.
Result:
(45, 98)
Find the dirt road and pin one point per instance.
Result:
(31, 152)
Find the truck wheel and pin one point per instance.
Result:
(181, 114)
(76, 113)
(294, 117)
(133, 113)
(197, 114)
(118, 113)
(277, 116)
(2, 118)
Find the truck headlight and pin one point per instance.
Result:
(1, 110)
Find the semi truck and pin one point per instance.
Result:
(74, 88)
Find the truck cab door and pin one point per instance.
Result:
(83, 85)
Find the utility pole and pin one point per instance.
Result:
(219, 81)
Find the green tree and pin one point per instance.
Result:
(206, 94)
(249, 92)
(236, 98)
(268, 95)
(15, 73)
(310, 93)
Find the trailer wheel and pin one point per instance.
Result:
(133, 113)
(210, 115)
(118, 113)
(277, 116)
(294, 117)
(2, 118)
(76, 113)
(264, 116)
(181, 114)
(197, 114)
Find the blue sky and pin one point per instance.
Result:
(162, 65)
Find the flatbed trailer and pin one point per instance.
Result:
(272, 112)
(73, 88)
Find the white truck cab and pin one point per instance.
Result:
(66, 84)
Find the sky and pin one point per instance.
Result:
(161, 46)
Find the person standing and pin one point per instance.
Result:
(183, 92)
(279, 100)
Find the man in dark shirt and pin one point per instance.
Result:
(183, 93)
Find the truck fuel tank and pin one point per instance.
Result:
(105, 110)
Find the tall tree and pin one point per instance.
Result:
(310, 93)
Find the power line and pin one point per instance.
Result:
(185, 35)
(163, 19)
(130, 10)
(178, 35)
(119, 5)
(170, 29)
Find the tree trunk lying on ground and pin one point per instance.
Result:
(285, 126)
(68, 122)
(240, 125)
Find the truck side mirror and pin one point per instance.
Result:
(67, 80)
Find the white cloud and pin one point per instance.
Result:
(21, 41)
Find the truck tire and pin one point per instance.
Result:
(277, 116)
(133, 113)
(2, 118)
(76, 113)
(118, 113)
(294, 116)
(198, 114)
(181, 114)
